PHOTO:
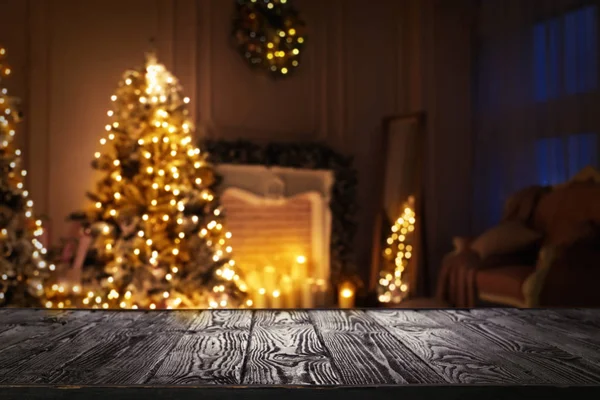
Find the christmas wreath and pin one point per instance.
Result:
(269, 35)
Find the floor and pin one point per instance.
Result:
(102, 352)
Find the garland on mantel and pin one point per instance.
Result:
(307, 156)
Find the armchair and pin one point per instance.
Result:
(544, 253)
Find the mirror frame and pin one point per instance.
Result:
(417, 280)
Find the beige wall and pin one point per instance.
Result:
(363, 61)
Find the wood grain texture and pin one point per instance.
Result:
(365, 353)
(35, 337)
(212, 351)
(587, 316)
(285, 350)
(581, 341)
(543, 360)
(562, 323)
(504, 348)
(125, 353)
(459, 359)
(71, 342)
(12, 316)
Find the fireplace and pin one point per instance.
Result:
(281, 225)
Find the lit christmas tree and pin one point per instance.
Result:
(393, 285)
(23, 270)
(156, 224)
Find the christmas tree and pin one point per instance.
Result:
(23, 270)
(398, 256)
(158, 239)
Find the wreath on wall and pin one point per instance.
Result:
(310, 156)
(269, 35)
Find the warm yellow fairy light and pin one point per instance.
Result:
(161, 145)
(400, 253)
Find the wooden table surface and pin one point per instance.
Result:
(490, 353)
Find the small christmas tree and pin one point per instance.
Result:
(23, 270)
(398, 256)
(157, 229)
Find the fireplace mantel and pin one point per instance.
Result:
(305, 156)
(299, 197)
(260, 180)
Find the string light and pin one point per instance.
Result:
(398, 253)
(155, 243)
(272, 48)
(30, 267)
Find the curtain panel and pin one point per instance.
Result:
(536, 101)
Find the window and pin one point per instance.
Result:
(565, 54)
(559, 159)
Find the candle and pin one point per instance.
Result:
(260, 300)
(253, 280)
(270, 278)
(320, 293)
(307, 294)
(300, 270)
(346, 295)
(288, 293)
(276, 299)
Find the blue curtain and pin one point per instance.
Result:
(537, 105)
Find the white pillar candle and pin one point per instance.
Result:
(276, 299)
(320, 291)
(307, 294)
(300, 269)
(287, 292)
(253, 280)
(346, 295)
(270, 279)
(260, 299)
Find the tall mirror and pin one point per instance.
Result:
(397, 270)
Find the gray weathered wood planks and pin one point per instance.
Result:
(298, 348)
(544, 360)
(284, 349)
(456, 357)
(376, 356)
(210, 352)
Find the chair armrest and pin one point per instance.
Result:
(455, 270)
(462, 243)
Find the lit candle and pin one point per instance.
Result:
(276, 299)
(260, 300)
(307, 294)
(253, 280)
(300, 270)
(288, 293)
(320, 290)
(270, 278)
(346, 295)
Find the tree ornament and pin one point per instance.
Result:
(5, 249)
(23, 270)
(269, 35)
(140, 219)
